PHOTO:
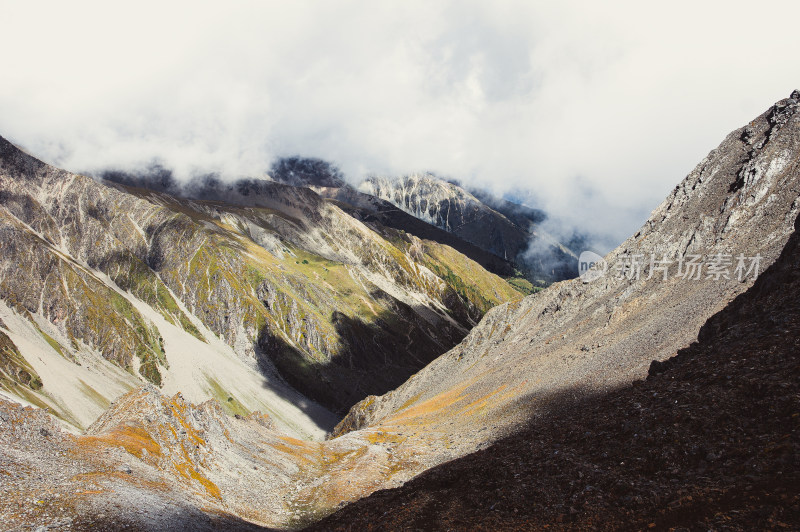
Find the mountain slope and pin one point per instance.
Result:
(710, 440)
(602, 334)
(84, 284)
(377, 212)
(110, 285)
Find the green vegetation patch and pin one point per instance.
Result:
(133, 275)
(524, 286)
(149, 346)
(229, 403)
(467, 291)
(53, 343)
(14, 369)
(94, 395)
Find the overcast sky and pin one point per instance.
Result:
(598, 108)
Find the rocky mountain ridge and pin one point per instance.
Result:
(604, 333)
(452, 208)
(709, 440)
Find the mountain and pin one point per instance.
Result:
(375, 212)
(582, 337)
(327, 181)
(494, 225)
(306, 172)
(709, 441)
(245, 292)
(742, 199)
(521, 215)
(565, 364)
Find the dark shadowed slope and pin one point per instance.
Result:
(709, 441)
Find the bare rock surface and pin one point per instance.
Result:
(56, 481)
(450, 207)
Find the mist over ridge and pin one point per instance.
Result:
(594, 110)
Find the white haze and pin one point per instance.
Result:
(598, 108)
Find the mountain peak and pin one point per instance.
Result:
(495, 225)
(306, 172)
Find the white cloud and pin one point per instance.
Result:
(597, 104)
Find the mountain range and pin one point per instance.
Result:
(304, 348)
(256, 275)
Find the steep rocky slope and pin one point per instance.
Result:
(450, 207)
(227, 294)
(578, 335)
(377, 212)
(709, 441)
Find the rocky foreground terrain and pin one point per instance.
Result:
(599, 447)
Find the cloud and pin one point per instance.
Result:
(597, 108)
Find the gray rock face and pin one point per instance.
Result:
(455, 210)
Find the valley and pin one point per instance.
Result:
(237, 355)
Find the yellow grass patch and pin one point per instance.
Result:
(434, 405)
(131, 438)
(188, 471)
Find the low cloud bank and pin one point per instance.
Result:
(595, 110)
